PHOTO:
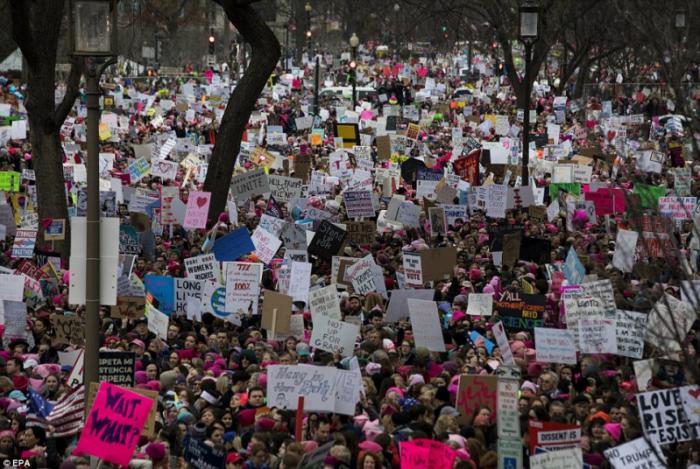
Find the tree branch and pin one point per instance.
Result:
(21, 32)
(72, 92)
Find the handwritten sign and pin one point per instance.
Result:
(569, 458)
(473, 392)
(246, 185)
(114, 424)
(324, 301)
(69, 330)
(636, 454)
(361, 232)
(412, 269)
(285, 188)
(480, 304)
(630, 329)
(663, 417)
(555, 346)
(358, 203)
(138, 169)
(242, 284)
(423, 453)
(197, 210)
(266, 244)
(334, 336)
(327, 241)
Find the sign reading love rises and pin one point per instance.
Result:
(197, 210)
(114, 425)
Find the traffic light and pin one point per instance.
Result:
(212, 43)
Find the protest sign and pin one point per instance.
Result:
(521, 310)
(24, 244)
(130, 307)
(508, 419)
(423, 453)
(114, 425)
(266, 244)
(129, 240)
(246, 185)
(663, 417)
(555, 346)
(318, 385)
(597, 334)
(473, 392)
(163, 290)
(149, 427)
(138, 169)
(669, 322)
(603, 290)
(197, 210)
(186, 289)
(480, 304)
(233, 246)
(636, 454)
(327, 241)
(276, 314)
(358, 204)
(625, 249)
(325, 301)
(360, 232)
(117, 367)
(242, 285)
(553, 436)
(412, 270)
(334, 336)
(425, 322)
(69, 330)
(157, 321)
(203, 267)
(690, 395)
(573, 269)
(631, 328)
(285, 188)
(398, 303)
(203, 456)
(677, 208)
(12, 287)
(438, 263)
(502, 341)
(569, 458)
(56, 230)
(299, 281)
(438, 222)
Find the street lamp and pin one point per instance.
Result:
(529, 17)
(354, 42)
(93, 26)
(307, 9)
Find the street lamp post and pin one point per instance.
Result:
(354, 42)
(93, 36)
(529, 16)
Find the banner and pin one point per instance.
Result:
(114, 425)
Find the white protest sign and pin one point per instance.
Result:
(246, 185)
(555, 346)
(299, 281)
(636, 454)
(334, 336)
(497, 200)
(242, 284)
(669, 322)
(480, 304)
(631, 328)
(569, 458)
(157, 321)
(285, 188)
(425, 322)
(603, 290)
(325, 301)
(690, 395)
(502, 342)
(663, 418)
(12, 287)
(186, 288)
(266, 244)
(413, 270)
(625, 249)
(203, 267)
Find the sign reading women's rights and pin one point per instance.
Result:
(114, 424)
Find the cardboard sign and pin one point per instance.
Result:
(475, 391)
(69, 330)
(277, 310)
(197, 210)
(327, 241)
(114, 408)
(360, 232)
(425, 322)
(130, 307)
(334, 336)
(663, 418)
(438, 263)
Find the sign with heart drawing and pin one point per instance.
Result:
(197, 210)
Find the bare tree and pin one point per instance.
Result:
(265, 54)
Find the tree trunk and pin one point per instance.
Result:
(36, 27)
(265, 54)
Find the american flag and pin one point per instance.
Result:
(67, 416)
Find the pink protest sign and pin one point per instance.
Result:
(426, 454)
(607, 201)
(197, 210)
(114, 425)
